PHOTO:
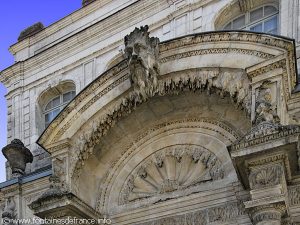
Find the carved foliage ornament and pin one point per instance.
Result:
(142, 53)
(169, 170)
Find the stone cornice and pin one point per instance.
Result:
(67, 202)
(60, 24)
(264, 133)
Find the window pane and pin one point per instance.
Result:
(269, 10)
(55, 113)
(257, 28)
(256, 15)
(47, 117)
(270, 26)
(67, 97)
(238, 23)
(49, 106)
(228, 26)
(56, 102)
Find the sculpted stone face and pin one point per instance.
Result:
(142, 54)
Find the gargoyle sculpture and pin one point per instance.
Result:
(142, 54)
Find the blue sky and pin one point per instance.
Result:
(15, 16)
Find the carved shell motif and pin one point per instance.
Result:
(171, 169)
(267, 176)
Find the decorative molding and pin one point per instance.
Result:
(226, 36)
(79, 98)
(245, 5)
(294, 195)
(235, 84)
(265, 176)
(265, 201)
(167, 170)
(193, 218)
(219, 215)
(216, 51)
(59, 147)
(268, 213)
(261, 70)
(189, 41)
(161, 127)
(263, 133)
(226, 212)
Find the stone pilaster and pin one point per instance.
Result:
(268, 192)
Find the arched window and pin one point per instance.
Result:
(52, 101)
(262, 19)
(56, 105)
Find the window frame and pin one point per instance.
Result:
(262, 20)
(61, 105)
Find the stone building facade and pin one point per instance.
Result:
(181, 112)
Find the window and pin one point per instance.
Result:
(57, 103)
(263, 19)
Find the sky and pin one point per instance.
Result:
(15, 16)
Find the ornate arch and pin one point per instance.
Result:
(229, 63)
(171, 140)
(225, 82)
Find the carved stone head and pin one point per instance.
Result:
(142, 54)
(18, 156)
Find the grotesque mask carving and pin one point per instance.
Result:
(142, 53)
